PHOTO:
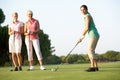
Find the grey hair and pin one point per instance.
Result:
(30, 12)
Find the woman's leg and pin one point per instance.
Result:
(18, 43)
(91, 51)
(12, 50)
(14, 59)
(36, 45)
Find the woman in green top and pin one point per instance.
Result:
(93, 37)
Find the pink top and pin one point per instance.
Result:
(16, 27)
(32, 25)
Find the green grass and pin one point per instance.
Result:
(108, 71)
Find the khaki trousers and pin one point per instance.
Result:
(92, 43)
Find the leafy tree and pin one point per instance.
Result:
(2, 39)
(72, 58)
(45, 45)
(81, 59)
(118, 56)
(53, 59)
(75, 58)
(111, 55)
(4, 55)
(2, 16)
(85, 57)
(101, 58)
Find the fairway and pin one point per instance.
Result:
(108, 71)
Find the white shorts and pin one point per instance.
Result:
(36, 46)
(15, 45)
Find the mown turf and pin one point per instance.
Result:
(108, 71)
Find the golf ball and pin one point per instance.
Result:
(53, 69)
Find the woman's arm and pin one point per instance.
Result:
(87, 20)
(25, 30)
(10, 31)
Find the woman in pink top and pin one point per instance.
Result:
(31, 30)
(15, 30)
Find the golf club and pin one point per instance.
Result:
(29, 45)
(55, 69)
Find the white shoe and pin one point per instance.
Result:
(42, 68)
(31, 68)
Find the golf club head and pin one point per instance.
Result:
(54, 69)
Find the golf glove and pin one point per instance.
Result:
(29, 31)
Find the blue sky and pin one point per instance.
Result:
(63, 21)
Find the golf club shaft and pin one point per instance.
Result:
(70, 51)
(66, 57)
(68, 54)
(29, 42)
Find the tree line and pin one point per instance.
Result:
(108, 56)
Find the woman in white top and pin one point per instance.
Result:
(15, 30)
